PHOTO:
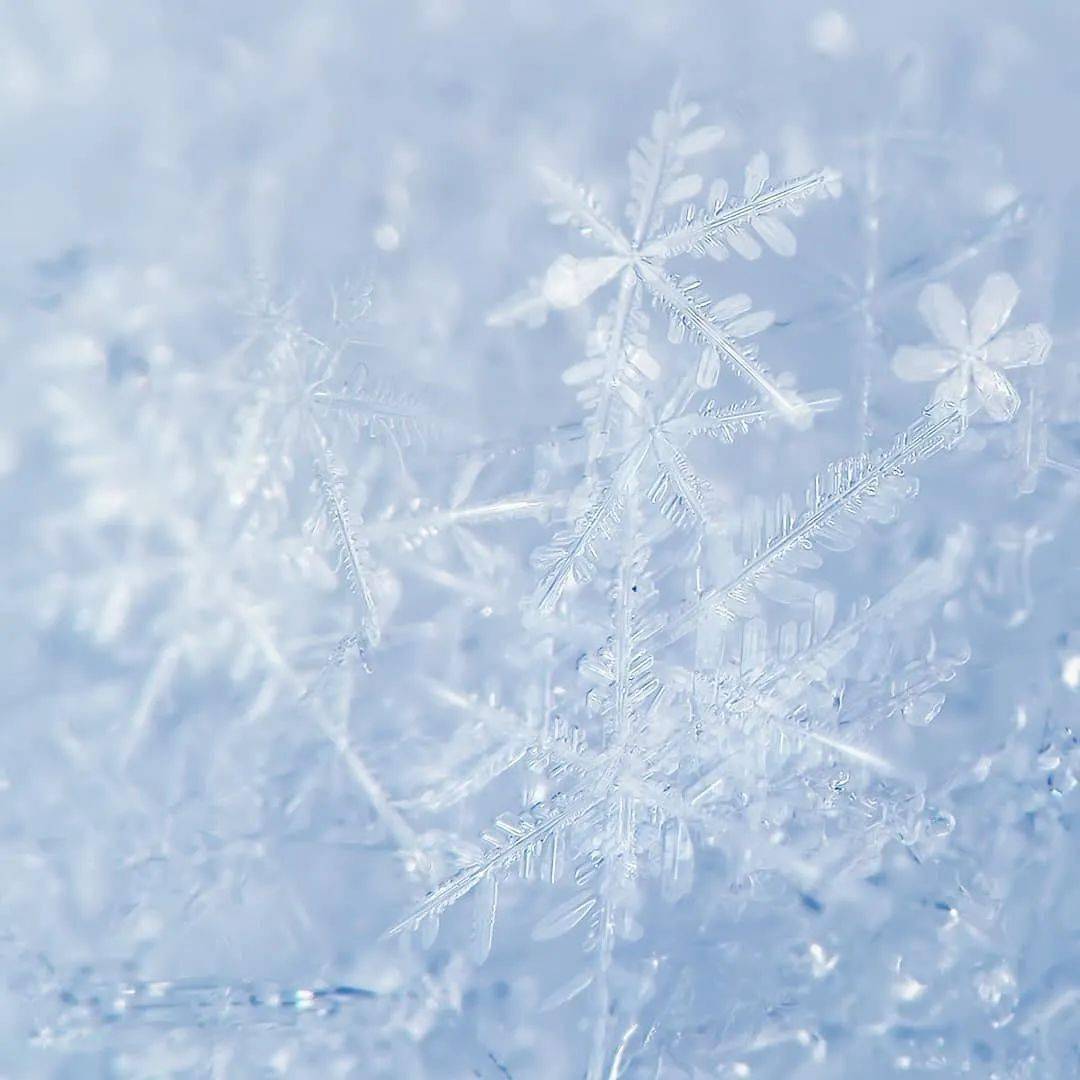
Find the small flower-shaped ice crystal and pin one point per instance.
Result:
(971, 353)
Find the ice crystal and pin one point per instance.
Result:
(702, 722)
(970, 352)
(619, 677)
(619, 362)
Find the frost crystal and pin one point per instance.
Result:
(621, 677)
(969, 352)
(713, 720)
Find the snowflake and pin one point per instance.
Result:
(970, 353)
(619, 361)
(703, 722)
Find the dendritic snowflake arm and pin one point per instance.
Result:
(680, 493)
(521, 842)
(722, 225)
(571, 203)
(335, 515)
(623, 665)
(855, 489)
(571, 557)
(848, 489)
(657, 164)
(424, 523)
(692, 312)
(379, 409)
(725, 422)
(778, 688)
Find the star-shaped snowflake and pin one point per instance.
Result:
(972, 353)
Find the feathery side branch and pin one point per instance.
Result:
(353, 558)
(630, 674)
(656, 163)
(681, 494)
(614, 357)
(363, 405)
(773, 694)
(713, 228)
(522, 841)
(940, 428)
(572, 203)
(726, 422)
(691, 309)
(510, 508)
(571, 557)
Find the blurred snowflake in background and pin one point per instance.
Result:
(410, 677)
